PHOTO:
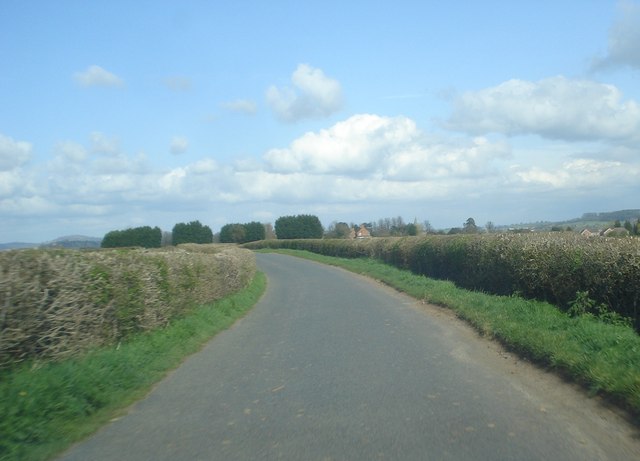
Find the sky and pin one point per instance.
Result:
(118, 114)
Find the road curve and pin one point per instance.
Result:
(332, 366)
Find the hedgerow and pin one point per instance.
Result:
(59, 303)
(561, 269)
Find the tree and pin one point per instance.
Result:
(628, 226)
(469, 227)
(298, 227)
(242, 233)
(144, 236)
(193, 232)
(338, 230)
(490, 227)
(411, 229)
(269, 233)
(232, 233)
(254, 231)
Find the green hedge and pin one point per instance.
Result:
(550, 267)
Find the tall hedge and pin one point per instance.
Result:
(242, 233)
(193, 232)
(549, 267)
(145, 237)
(299, 227)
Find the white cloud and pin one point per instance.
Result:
(102, 144)
(581, 173)
(384, 148)
(313, 95)
(13, 153)
(365, 165)
(624, 39)
(97, 76)
(179, 145)
(71, 151)
(243, 106)
(554, 108)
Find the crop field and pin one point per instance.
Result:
(599, 276)
(56, 304)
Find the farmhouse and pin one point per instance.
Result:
(363, 233)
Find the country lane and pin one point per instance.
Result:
(333, 366)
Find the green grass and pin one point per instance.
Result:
(45, 408)
(603, 357)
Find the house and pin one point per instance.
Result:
(363, 233)
(589, 234)
(616, 232)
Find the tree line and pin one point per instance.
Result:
(289, 227)
(300, 226)
(147, 237)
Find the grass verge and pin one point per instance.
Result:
(45, 408)
(603, 357)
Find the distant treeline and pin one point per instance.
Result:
(242, 233)
(144, 236)
(147, 237)
(621, 215)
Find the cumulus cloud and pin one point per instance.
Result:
(70, 151)
(179, 145)
(384, 148)
(102, 144)
(242, 106)
(581, 173)
(366, 162)
(13, 154)
(624, 39)
(312, 95)
(554, 108)
(97, 76)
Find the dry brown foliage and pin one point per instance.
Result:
(58, 303)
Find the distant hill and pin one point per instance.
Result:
(622, 216)
(73, 241)
(592, 221)
(68, 241)
(17, 245)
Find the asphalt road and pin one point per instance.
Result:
(332, 366)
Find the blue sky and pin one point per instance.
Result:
(120, 114)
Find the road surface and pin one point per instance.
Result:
(332, 366)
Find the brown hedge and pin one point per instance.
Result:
(57, 303)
